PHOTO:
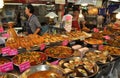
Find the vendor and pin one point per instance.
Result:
(75, 20)
(33, 25)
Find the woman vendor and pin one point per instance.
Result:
(33, 25)
(75, 20)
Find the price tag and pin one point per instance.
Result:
(55, 62)
(1, 30)
(6, 50)
(65, 42)
(13, 52)
(6, 67)
(6, 35)
(96, 30)
(107, 37)
(24, 66)
(42, 46)
(100, 47)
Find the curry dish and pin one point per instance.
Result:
(45, 74)
(33, 57)
(59, 52)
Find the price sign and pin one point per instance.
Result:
(24, 66)
(6, 67)
(42, 46)
(6, 35)
(107, 37)
(55, 62)
(100, 47)
(1, 29)
(96, 30)
(65, 42)
(6, 50)
(13, 52)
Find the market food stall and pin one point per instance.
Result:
(86, 53)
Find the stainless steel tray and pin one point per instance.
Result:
(39, 68)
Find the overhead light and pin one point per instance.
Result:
(115, 0)
(51, 15)
(80, 2)
(84, 4)
(13, 3)
(118, 15)
(37, 4)
(1, 3)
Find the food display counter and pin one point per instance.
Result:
(74, 54)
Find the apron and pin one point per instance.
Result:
(75, 24)
(28, 27)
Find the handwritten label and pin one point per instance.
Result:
(107, 37)
(1, 29)
(13, 52)
(6, 50)
(55, 62)
(42, 46)
(6, 67)
(100, 47)
(6, 35)
(96, 30)
(65, 42)
(24, 66)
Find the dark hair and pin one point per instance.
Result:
(31, 8)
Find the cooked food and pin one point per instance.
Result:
(33, 57)
(45, 74)
(114, 43)
(97, 57)
(76, 67)
(107, 32)
(25, 42)
(97, 35)
(3, 61)
(112, 50)
(93, 41)
(59, 52)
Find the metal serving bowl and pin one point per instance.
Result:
(8, 75)
(62, 63)
(40, 68)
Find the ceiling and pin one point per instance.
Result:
(28, 1)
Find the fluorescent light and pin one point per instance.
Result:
(13, 3)
(91, 2)
(37, 4)
(115, 0)
(84, 4)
